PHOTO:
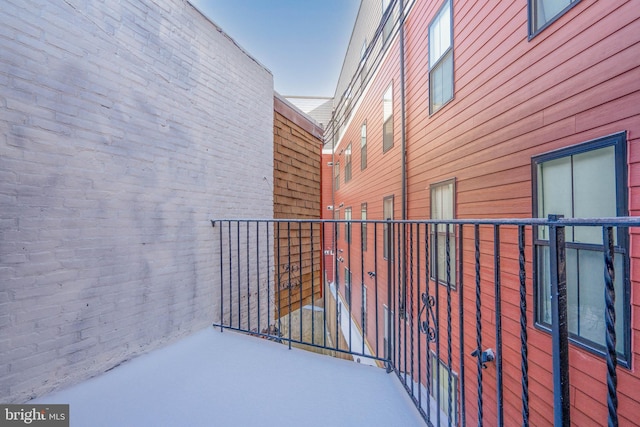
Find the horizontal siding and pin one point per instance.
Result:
(514, 98)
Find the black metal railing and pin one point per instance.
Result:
(433, 301)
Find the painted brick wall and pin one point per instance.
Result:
(124, 127)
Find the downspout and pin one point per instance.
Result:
(404, 161)
(403, 115)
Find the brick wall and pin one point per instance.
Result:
(124, 127)
(296, 175)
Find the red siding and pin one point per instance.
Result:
(514, 98)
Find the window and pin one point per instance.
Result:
(387, 239)
(363, 226)
(441, 377)
(336, 176)
(364, 310)
(363, 69)
(443, 207)
(347, 225)
(544, 12)
(388, 25)
(387, 128)
(363, 146)
(347, 166)
(347, 286)
(441, 58)
(584, 181)
(387, 341)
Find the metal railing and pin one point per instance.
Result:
(434, 301)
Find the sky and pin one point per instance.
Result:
(302, 42)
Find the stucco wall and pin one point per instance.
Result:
(124, 127)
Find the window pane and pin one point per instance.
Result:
(442, 207)
(592, 306)
(440, 34)
(554, 192)
(387, 212)
(441, 82)
(594, 192)
(387, 106)
(585, 294)
(388, 103)
(572, 291)
(363, 227)
(546, 10)
(544, 287)
(363, 146)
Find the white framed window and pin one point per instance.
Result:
(441, 58)
(363, 226)
(347, 225)
(387, 239)
(444, 388)
(364, 310)
(363, 146)
(347, 286)
(443, 208)
(388, 26)
(347, 165)
(387, 341)
(387, 113)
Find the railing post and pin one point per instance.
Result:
(610, 319)
(390, 322)
(560, 324)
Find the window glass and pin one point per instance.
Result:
(442, 207)
(594, 178)
(440, 59)
(387, 107)
(440, 34)
(584, 181)
(440, 391)
(545, 11)
(347, 225)
(347, 166)
(363, 146)
(363, 226)
(387, 240)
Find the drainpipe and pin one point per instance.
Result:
(403, 115)
(404, 159)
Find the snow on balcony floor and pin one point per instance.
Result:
(229, 379)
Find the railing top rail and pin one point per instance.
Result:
(629, 221)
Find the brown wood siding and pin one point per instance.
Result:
(296, 192)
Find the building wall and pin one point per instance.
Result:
(124, 128)
(514, 98)
(296, 176)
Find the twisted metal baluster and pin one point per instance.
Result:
(478, 320)
(449, 347)
(610, 320)
(523, 328)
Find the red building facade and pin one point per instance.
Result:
(472, 109)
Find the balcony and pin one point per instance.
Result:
(229, 379)
(481, 321)
(450, 316)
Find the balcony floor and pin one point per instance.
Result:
(230, 379)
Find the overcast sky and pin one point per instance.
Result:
(302, 42)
